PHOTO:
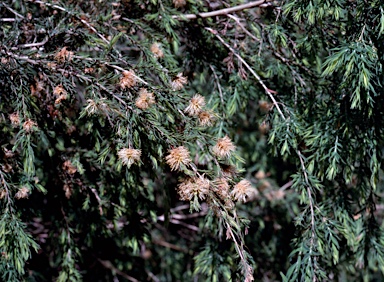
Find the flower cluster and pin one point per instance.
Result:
(129, 156)
(63, 55)
(179, 3)
(221, 187)
(69, 168)
(178, 157)
(195, 105)
(157, 52)
(206, 118)
(60, 93)
(145, 99)
(29, 125)
(196, 186)
(128, 80)
(179, 82)
(22, 193)
(15, 119)
(224, 147)
(242, 190)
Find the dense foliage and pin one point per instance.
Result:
(191, 140)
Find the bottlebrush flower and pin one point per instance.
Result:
(242, 190)
(224, 147)
(177, 157)
(195, 105)
(128, 80)
(179, 82)
(29, 125)
(206, 118)
(145, 99)
(196, 186)
(129, 156)
(157, 52)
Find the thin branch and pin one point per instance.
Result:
(218, 85)
(169, 245)
(71, 13)
(98, 199)
(267, 90)
(247, 267)
(14, 12)
(222, 11)
(7, 20)
(107, 264)
(237, 20)
(286, 185)
(34, 44)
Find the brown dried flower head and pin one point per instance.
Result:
(156, 50)
(51, 65)
(69, 168)
(22, 193)
(8, 153)
(128, 80)
(15, 119)
(60, 93)
(59, 90)
(242, 190)
(221, 187)
(145, 99)
(195, 105)
(265, 106)
(36, 88)
(228, 171)
(206, 118)
(6, 167)
(68, 191)
(63, 55)
(179, 82)
(3, 193)
(29, 125)
(196, 186)
(224, 147)
(89, 70)
(4, 60)
(177, 157)
(94, 107)
(129, 156)
(179, 3)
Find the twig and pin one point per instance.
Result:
(218, 85)
(247, 267)
(267, 90)
(110, 65)
(34, 44)
(98, 199)
(286, 185)
(236, 19)
(178, 222)
(152, 276)
(7, 20)
(71, 13)
(13, 11)
(110, 266)
(222, 11)
(171, 246)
